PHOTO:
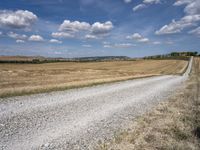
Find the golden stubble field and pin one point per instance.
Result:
(19, 79)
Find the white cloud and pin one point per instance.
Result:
(55, 41)
(89, 36)
(178, 26)
(124, 45)
(87, 45)
(145, 4)
(127, 1)
(20, 41)
(36, 38)
(74, 26)
(151, 1)
(17, 19)
(195, 31)
(1, 33)
(137, 37)
(138, 7)
(145, 40)
(62, 35)
(101, 28)
(192, 7)
(156, 42)
(17, 36)
(72, 29)
(118, 45)
(192, 17)
(107, 46)
(181, 2)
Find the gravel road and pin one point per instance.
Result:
(78, 118)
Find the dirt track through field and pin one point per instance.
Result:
(77, 119)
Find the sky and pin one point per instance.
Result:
(83, 28)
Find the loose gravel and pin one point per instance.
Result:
(79, 118)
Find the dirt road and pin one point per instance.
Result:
(78, 118)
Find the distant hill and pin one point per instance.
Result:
(40, 59)
(101, 58)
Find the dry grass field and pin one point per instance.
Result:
(172, 125)
(19, 79)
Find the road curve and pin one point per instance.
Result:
(78, 118)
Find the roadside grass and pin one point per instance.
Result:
(172, 125)
(23, 79)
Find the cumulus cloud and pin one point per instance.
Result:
(55, 41)
(138, 7)
(151, 1)
(74, 26)
(127, 1)
(36, 38)
(192, 6)
(145, 4)
(195, 31)
(178, 26)
(181, 2)
(62, 35)
(17, 36)
(101, 28)
(72, 29)
(17, 19)
(137, 37)
(20, 41)
(191, 18)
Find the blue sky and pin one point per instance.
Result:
(79, 28)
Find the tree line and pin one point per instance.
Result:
(174, 55)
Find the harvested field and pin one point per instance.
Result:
(19, 79)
